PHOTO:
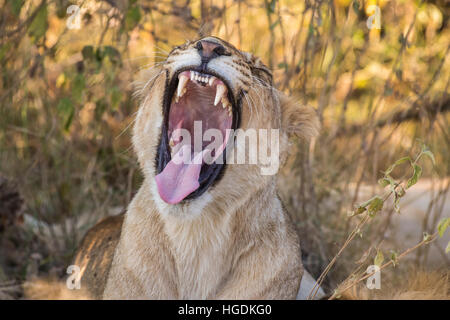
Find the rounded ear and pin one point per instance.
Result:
(298, 119)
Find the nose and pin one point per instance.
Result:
(209, 50)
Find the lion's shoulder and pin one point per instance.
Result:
(96, 252)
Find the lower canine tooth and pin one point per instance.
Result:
(225, 102)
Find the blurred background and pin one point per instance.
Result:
(378, 77)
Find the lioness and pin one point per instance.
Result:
(201, 230)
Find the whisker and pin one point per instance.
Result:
(161, 49)
(142, 57)
(128, 126)
(250, 107)
(256, 107)
(145, 86)
(147, 66)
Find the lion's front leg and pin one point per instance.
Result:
(264, 274)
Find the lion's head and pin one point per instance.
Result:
(209, 86)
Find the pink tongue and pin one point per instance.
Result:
(180, 176)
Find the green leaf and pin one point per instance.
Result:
(116, 97)
(357, 211)
(430, 154)
(447, 249)
(442, 226)
(66, 110)
(87, 52)
(100, 108)
(16, 6)
(394, 258)
(383, 182)
(356, 7)
(426, 237)
(132, 17)
(379, 258)
(387, 180)
(271, 6)
(39, 25)
(375, 205)
(65, 106)
(396, 163)
(4, 49)
(99, 55)
(112, 53)
(78, 86)
(413, 180)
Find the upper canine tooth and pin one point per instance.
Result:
(181, 84)
(220, 92)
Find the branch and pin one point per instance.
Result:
(415, 113)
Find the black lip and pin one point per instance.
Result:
(210, 173)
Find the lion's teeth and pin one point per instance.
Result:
(211, 80)
(192, 75)
(181, 85)
(220, 92)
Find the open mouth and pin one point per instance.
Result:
(188, 161)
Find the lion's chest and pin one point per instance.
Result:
(202, 259)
